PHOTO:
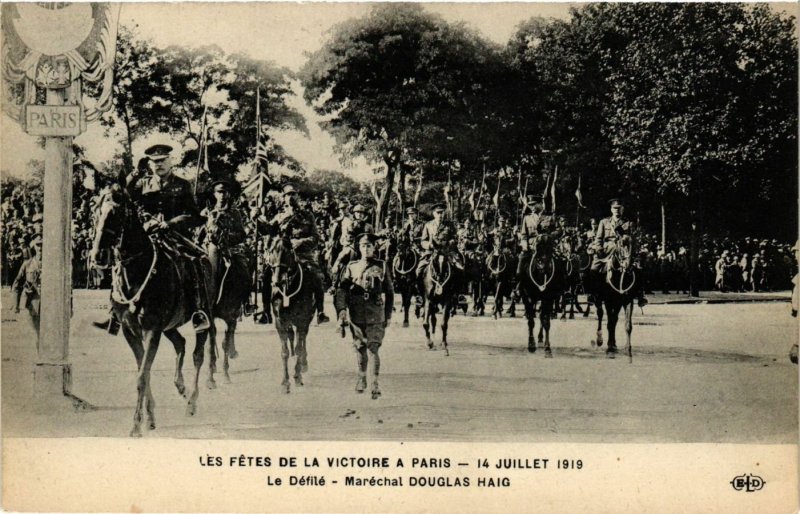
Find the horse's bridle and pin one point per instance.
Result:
(547, 280)
(436, 282)
(289, 278)
(399, 261)
(622, 255)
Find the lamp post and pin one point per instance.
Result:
(53, 49)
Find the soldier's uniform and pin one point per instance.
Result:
(605, 238)
(225, 233)
(169, 200)
(301, 227)
(412, 229)
(365, 295)
(437, 235)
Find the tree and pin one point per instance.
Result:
(691, 112)
(405, 90)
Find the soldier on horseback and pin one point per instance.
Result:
(606, 237)
(168, 208)
(225, 235)
(413, 227)
(437, 234)
(300, 226)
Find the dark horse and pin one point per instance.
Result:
(230, 294)
(501, 267)
(151, 285)
(293, 307)
(542, 283)
(616, 290)
(570, 251)
(440, 285)
(404, 267)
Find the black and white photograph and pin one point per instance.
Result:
(563, 224)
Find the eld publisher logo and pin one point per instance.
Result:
(748, 483)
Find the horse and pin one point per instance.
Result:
(572, 278)
(501, 266)
(147, 307)
(404, 266)
(542, 282)
(230, 294)
(616, 291)
(293, 307)
(476, 276)
(440, 284)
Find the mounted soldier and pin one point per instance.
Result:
(437, 234)
(413, 227)
(225, 227)
(609, 232)
(299, 225)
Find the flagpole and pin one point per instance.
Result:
(200, 146)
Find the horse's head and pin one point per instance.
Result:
(543, 246)
(282, 260)
(109, 219)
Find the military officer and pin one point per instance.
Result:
(503, 235)
(412, 229)
(168, 205)
(606, 236)
(437, 233)
(301, 227)
(528, 231)
(364, 299)
(225, 229)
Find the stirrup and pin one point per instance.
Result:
(200, 321)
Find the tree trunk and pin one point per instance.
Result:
(383, 204)
(127, 160)
(663, 228)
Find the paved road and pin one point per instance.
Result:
(701, 373)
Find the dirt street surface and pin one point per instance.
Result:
(700, 373)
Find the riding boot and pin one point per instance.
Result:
(111, 325)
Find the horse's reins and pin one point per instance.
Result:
(119, 273)
(398, 261)
(282, 291)
(440, 285)
(621, 290)
(547, 280)
(499, 269)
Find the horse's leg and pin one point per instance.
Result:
(179, 343)
(611, 325)
(230, 348)
(301, 363)
(629, 329)
(445, 319)
(212, 349)
(426, 323)
(150, 342)
(283, 335)
(230, 338)
(544, 318)
(197, 356)
(135, 343)
(530, 315)
(498, 301)
(599, 307)
(376, 369)
(406, 305)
